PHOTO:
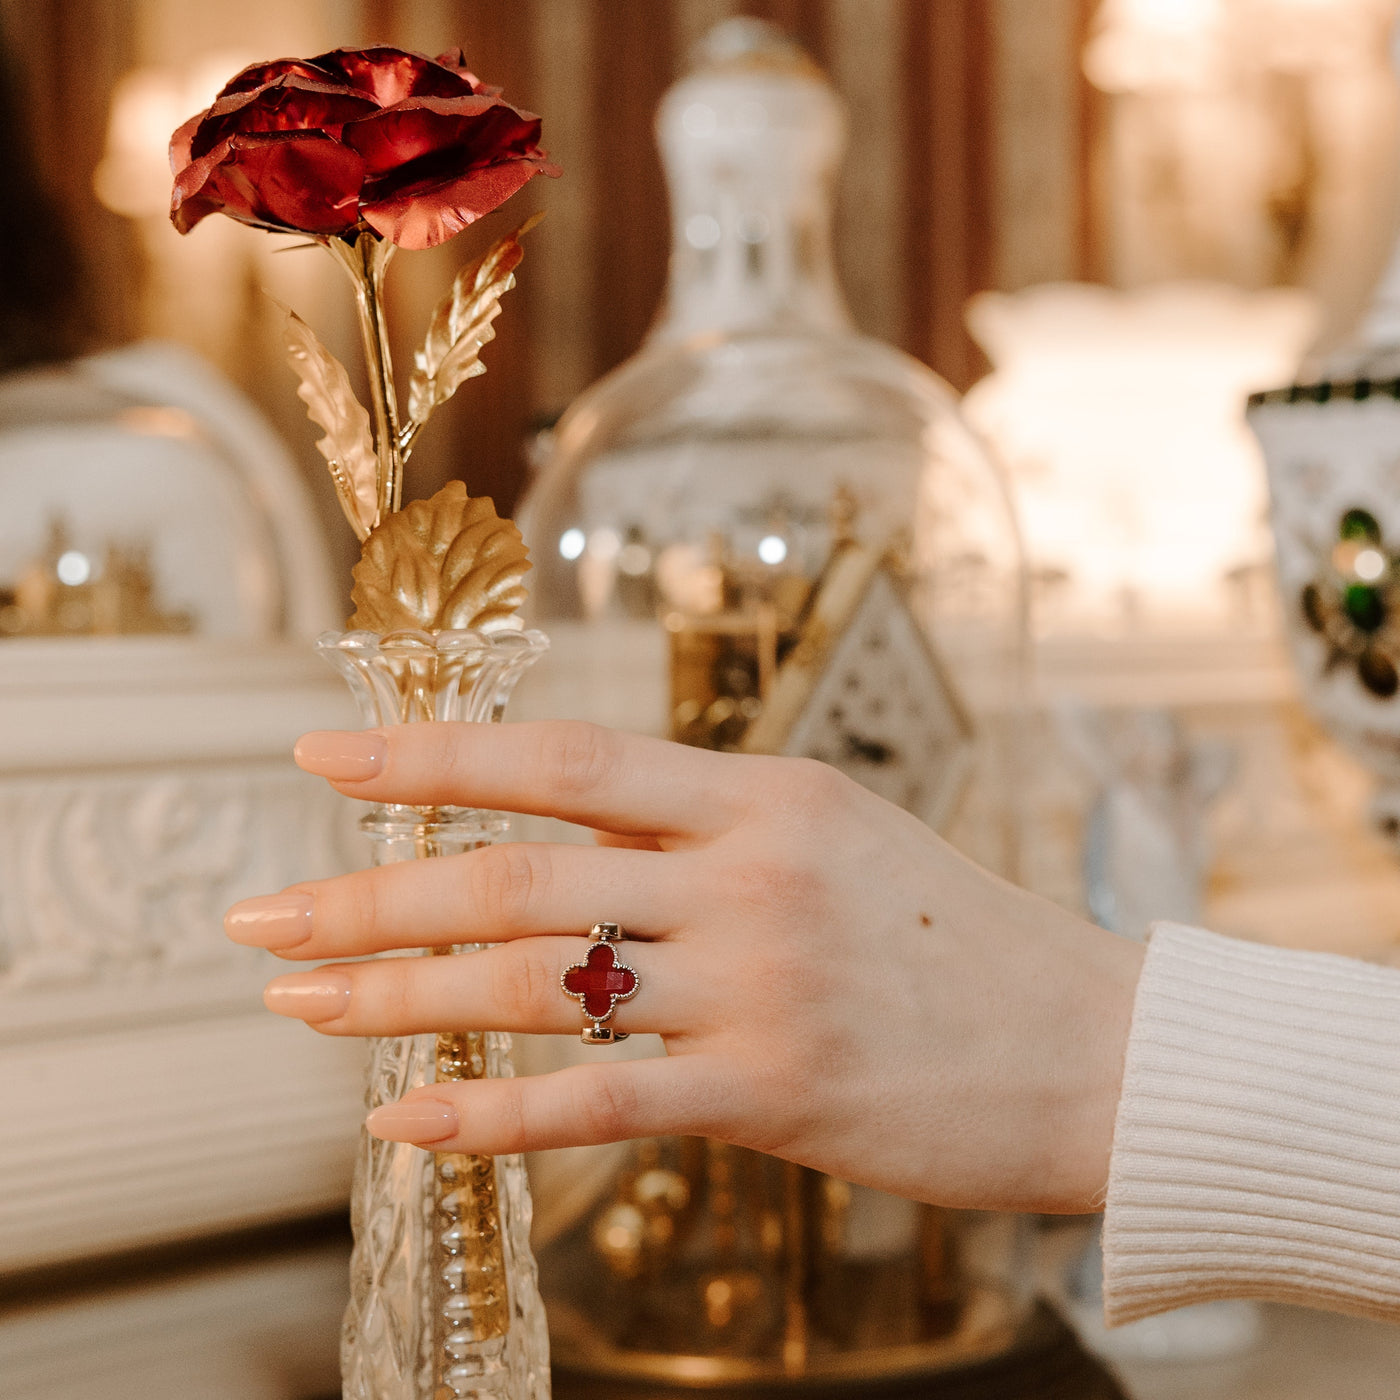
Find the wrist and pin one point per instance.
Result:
(1091, 1010)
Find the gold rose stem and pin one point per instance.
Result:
(367, 263)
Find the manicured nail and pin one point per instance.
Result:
(417, 1121)
(309, 996)
(342, 755)
(275, 921)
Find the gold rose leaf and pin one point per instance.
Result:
(347, 446)
(446, 562)
(461, 326)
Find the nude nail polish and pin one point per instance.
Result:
(274, 921)
(417, 1121)
(342, 755)
(309, 996)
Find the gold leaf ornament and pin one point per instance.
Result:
(348, 445)
(460, 328)
(446, 562)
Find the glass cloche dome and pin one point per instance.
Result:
(144, 494)
(768, 532)
(692, 501)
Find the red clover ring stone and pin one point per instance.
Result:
(599, 982)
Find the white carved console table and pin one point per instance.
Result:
(145, 1095)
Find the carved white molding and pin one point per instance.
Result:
(124, 878)
(147, 1096)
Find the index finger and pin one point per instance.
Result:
(623, 783)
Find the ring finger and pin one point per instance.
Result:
(510, 987)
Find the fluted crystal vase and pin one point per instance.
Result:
(444, 1301)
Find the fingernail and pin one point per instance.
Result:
(274, 921)
(342, 755)
(309, 996)
(417, 1121)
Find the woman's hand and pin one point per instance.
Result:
(834, 984)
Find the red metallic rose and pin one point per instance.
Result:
(414, 147)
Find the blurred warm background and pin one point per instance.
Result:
(994, 144)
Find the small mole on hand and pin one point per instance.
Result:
(925, 921)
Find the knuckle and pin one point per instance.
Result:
(513, 1122)
(778, 883)
(365, 909)
(605, 1108)
(814, 788)
(385, 999)
(523, 986)
(504, 881)
(583, 757)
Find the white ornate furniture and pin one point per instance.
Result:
(151, 1107)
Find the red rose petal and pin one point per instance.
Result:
(302, 182)
(289, 104)
(480, 128)
(425, 218)
(456, 60)
(432, 165)
(390, 75)
(180, 144)
(258, 75)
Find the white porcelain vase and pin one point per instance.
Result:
(1333, 455)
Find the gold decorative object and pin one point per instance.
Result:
(60, 593)
(348, 445)
(862, 689)
(444, 563)
(471, 1209)
(460, 328)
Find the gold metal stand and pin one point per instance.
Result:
(717, 1268)
(1043, 1361)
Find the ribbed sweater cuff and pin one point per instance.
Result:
(1257, 1146)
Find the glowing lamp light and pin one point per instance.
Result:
(73, 568)
(133, 176)
(571, 543)
(1369, 565)
(772, 549)
(1140, 46)
(1120, 418)
(703, 231)
(1146, 45)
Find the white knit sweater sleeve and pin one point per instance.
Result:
(1257, 1147)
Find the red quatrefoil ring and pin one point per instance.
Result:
(599, 982)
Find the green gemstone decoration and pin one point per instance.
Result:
(1352, 616)
(1364, 606)
(1358, 524)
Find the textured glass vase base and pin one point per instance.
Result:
(385, 1345)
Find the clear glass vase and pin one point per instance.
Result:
(444, 1300)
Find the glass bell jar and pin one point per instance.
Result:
(144, 495)
(769, 532)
